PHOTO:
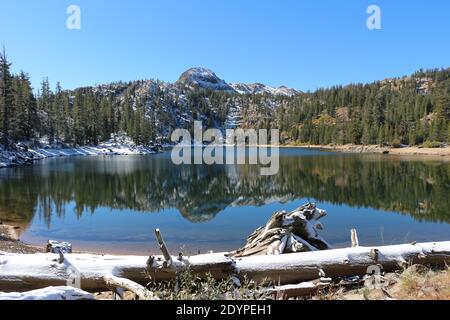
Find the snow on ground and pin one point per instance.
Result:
(259, 88)
(50, 293)
(21, 155)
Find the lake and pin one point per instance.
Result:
(113, 204)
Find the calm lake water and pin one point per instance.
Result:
(113, 204)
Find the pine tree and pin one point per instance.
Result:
(57, 114)
(67, 120)
(78, 130)
(448, 132)
(106, 118)
(23, 118)
(17, 118)
(44, 105)
(31, 122)
(6, 97)
(367, 134)
(127, 115)
(438, 128)
(92, 120)
(412, 136)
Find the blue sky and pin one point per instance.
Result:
(304, 44)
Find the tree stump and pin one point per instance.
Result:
(287, 232)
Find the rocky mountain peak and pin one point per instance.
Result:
(202, 78)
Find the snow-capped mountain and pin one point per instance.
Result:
(199, 94)
(204, 78)
(259, 88)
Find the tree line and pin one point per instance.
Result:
(413, 110)
(78, 117)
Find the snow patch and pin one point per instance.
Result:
(118, 145)
(50, 293)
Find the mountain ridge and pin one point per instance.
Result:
(204, 78)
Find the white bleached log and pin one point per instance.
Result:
(354, 238)
(163, 248)
(27, 272)
(122, 283)
(24, 272)
(307, 266)
(299, 290)
(50, 293)
(216, 265)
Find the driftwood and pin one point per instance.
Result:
(57, 247)
(299, 290)
(354, 238)
(96, 273)
(295, 268)
(126, 284)
(51, 293)
(216, 265)
(163, 248)
(20, 272)
(296, 231)
(287, 250)
(92, 273)
(308, 266)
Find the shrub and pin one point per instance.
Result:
(432, 144)
(396, 143)
(188, 286)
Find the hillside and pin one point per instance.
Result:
(409, 110)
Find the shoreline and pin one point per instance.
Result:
(352, 148)
(376, 149)
(10, 241)
(17, 158)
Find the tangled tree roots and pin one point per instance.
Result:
(296, 231)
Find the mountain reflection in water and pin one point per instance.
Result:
(54, 188)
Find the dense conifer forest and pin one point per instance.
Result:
(413, 110)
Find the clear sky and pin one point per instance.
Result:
(304, 44)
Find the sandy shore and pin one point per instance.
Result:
(376, 149)
(10, 242)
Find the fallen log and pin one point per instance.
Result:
(307, 266)
(50, 293)
(23, 272)
(126, 284)
(303, 289)
(96, 273)
(215, 265)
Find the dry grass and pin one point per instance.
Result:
(415, 283)
(421, 284)
(188, 286)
